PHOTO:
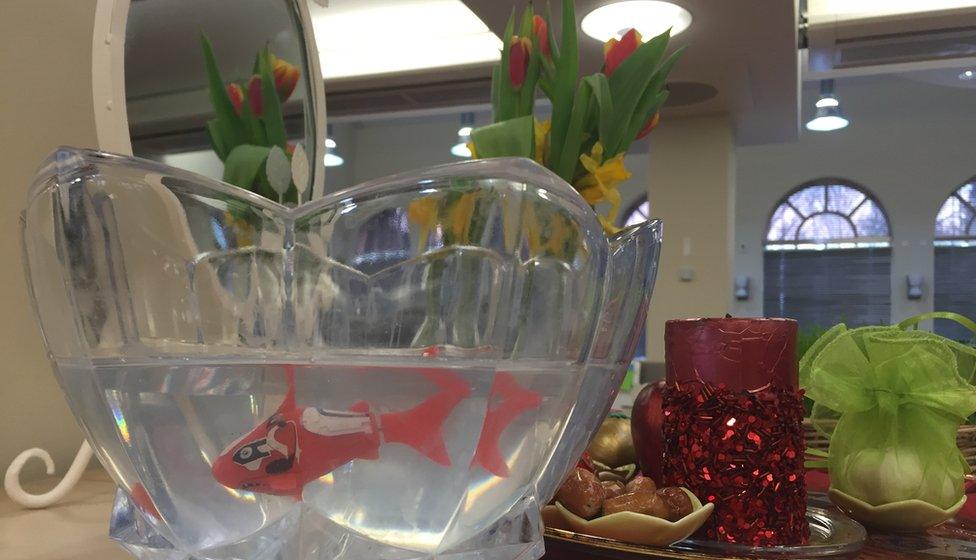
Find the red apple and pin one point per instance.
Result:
(646, 427)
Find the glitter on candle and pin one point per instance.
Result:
(759, 501)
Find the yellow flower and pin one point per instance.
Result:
(558, 234)
(541, 140)
(601, 181)
(424, 213)
(532, 227)
(470, 146)
(461, 214)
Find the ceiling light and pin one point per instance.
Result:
(827, 101)
(967, 75)
(370, 37)
(461, 150)
(829, 116)
(464, 136)
(841, 10)
(649, 17)
(826, 120)
(332, 157)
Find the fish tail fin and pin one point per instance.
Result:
(420, 426)
(506, 401)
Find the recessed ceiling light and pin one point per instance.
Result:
(370, 37)
(967, 75)
(649, 17)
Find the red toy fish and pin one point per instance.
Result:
(506, 402)
(298, 445)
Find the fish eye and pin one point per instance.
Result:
(250, 452)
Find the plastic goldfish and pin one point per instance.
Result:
(300, 444)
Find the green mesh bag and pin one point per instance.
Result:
(891, 401)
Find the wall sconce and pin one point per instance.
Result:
(741, 288)
(915, 282)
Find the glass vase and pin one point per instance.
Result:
(403, 370)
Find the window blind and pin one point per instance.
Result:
(826, 287)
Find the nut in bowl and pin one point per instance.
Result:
(642, 515)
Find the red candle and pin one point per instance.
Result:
(733, 430)
(742, 353)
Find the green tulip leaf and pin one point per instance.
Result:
(274, 122)
(564, 87)
(507, 97)
(629, 84)
(511, 138)
(243, 165)
(228, 126)
(216, 140)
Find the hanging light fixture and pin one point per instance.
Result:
(332, 157)
(464, 136)
(829, 116)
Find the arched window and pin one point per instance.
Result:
(953, 288)
(827, 215)
(828, 256)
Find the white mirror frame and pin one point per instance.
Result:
(112, 135)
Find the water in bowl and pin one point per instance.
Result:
(169, 421)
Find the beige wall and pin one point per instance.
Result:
(45, 101)
(910, 144)
(692, 188)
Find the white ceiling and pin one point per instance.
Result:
(369, 37)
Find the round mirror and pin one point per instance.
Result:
(224, 88)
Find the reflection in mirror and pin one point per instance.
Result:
(215, 120)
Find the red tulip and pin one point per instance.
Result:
(518, 59)
(285, 77)
(615, 52)
(541, 31)
(236, 94)
(650, 125)
(254, 95)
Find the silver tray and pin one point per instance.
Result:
(832, 535)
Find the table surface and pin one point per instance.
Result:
(76, 529)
